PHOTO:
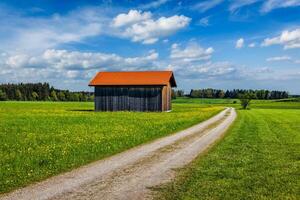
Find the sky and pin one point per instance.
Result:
(222, 44)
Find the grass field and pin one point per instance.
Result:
(41, 139)
(259, 158)
(292, 103)
(205, 101)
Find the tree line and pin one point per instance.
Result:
(45, 92)
(40, 92)
(232, 94)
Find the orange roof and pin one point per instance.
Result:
(133, 78)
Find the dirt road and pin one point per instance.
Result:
(130, 174)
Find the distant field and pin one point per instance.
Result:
(258, 159)
(41, 139)
(205, 100)
(292, 103)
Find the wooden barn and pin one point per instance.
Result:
(133, 91)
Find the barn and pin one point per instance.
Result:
(133, 90)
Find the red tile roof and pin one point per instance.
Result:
(133, 78)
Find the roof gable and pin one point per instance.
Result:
(133, 78)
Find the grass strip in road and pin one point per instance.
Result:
(258, 159)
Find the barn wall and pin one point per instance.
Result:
(166, 98)
(132, 98)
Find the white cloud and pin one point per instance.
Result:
(133, 16)
(192, 52)
(206, 71)
(239, 43)
(252, 45)
(279, 58)
(39, 33)
(237, 4)
(204, 21)
(148, 30)
(266, 5)
(206, 5)
(154, 4)
(75, 60)
(73, 67)
(275, 4)
(289, 39)
(72, 74)
(23, 33)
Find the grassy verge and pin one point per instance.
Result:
(258, 159)
(41, 139)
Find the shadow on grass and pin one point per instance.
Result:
(81, 110)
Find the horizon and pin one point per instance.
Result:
(221, 44)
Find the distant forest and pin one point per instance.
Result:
(45, 92)
(40, 92)
(232, 94)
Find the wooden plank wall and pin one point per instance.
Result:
(131, 98)
(166, 98)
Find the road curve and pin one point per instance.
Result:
(129, 175)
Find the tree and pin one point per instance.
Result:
(53, 95)
(61, 96)
(173, 94)
(221, 94)
(18, 95)
(245, 99)
(179, 93)
(3, 96)
(35, 96)
(208, 93)
(76, 97)
(91, 98)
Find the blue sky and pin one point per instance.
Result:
(222, 44)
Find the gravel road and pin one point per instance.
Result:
(131, 174)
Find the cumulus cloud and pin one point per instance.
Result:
(68, 67)
(279, 58)
(289, 39)
(64, 59)
(25, 33)
(192, 52)
(146, 29)
(133, 16)
(239, 43)
(74, 63)
(194, 62)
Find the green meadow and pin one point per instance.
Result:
(259, 158)
(42, 139)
